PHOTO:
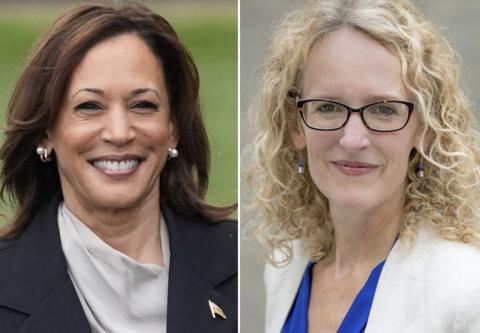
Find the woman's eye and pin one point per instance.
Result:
(327, 108)
(385, 110)
(88, 106)
(145, 105)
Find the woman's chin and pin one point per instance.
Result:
(353, 201)
(114, 200)
(356, 205)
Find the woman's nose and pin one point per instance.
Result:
(118, 128)
(355, 135)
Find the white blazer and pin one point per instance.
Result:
(429, 286)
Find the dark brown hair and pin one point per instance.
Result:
(38, 97)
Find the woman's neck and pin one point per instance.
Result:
(363, 238)
(134, 232)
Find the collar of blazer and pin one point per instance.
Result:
(201, 269)
(282, 286)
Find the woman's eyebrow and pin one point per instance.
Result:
(139, 91)
(386, 96)
(92, 90)
(134, 92)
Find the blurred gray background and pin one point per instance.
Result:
(460, 21)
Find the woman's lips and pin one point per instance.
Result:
(353, 168)
(117, 167)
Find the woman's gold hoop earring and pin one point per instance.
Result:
(43, 153)
(172, 152)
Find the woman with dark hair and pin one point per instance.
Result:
(107, 158)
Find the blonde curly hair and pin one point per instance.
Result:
(447, 197)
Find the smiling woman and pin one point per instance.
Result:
(113, 131)
(366, 174)
(107, 157)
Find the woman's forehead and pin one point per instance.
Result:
(123, 62)
(348, 61)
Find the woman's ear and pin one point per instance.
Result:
(47, 141)
(298, 135)
(296, 131)
(418, 139)
(420, 132)
(173, 134)
(298, 138)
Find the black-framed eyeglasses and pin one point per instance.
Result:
(328, 115)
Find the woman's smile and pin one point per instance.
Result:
(117, 166)
(354, 168)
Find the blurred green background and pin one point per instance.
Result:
(208, 29)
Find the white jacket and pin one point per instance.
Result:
(431, 285)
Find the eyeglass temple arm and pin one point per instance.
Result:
(294, 95)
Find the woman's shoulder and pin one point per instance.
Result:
(431, 263)
(187, 220)
(7, 243)
(7, 247)
(200, 240)
(443, 258)
(429, 275)
(7, 253)
(198, 228)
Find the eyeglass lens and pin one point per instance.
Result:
(381, 116)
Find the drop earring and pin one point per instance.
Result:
(43, 153)
(300, 166)
(172, 152)
(421, 168)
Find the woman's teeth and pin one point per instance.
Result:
(116, 165)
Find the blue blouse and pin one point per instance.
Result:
(356, 318)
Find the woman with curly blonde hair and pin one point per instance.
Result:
(366, 174)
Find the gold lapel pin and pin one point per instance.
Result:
(216, 310)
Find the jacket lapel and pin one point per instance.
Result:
(38, 283)
(60, 311)
(201, 267)
(282, 285)
(188, 307)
